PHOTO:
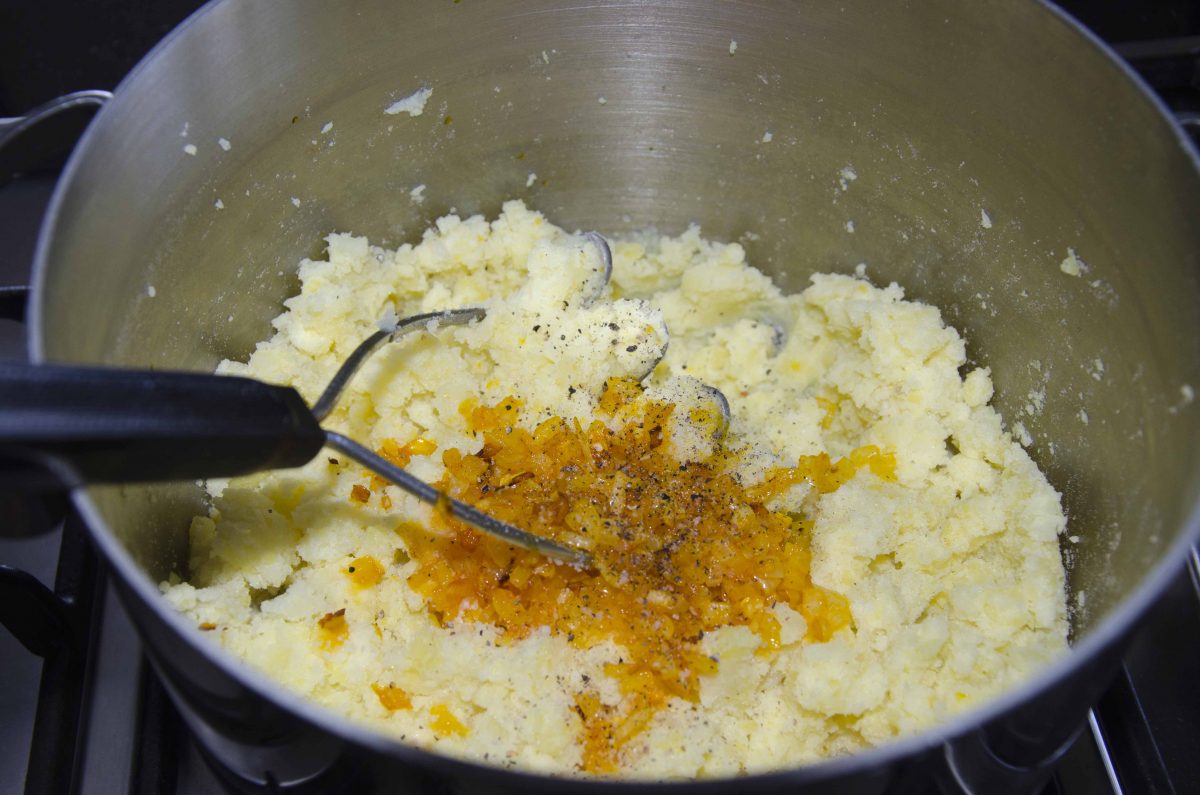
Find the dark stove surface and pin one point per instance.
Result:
(96, 721)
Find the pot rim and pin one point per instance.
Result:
(1109, 631)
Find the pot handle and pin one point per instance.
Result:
(18, 153)
(89, 97)
(59, 127)
(66, 426)
(1190, 122)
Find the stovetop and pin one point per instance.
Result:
(91, 718)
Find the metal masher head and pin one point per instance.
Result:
(414, 486)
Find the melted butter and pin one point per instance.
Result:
(401, 456)
(365, 571)
(444, 724)
(392, 697)
(333, 629)
(679, 550)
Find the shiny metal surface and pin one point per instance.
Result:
(18, 124)
(387, 334)
(461, 511)
(959, 150)
(414, 486)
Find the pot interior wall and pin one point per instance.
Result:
(957, 150)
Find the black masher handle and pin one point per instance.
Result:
(65, 425)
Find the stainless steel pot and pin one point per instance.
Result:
(986, 139)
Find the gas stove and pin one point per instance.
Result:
(80, 711)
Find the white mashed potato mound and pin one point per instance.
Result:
(952, 571)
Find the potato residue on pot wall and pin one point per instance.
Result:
(871, 552)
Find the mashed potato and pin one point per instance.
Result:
(947, 558)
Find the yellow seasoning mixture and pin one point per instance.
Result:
(811, 534)
(680, 550)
